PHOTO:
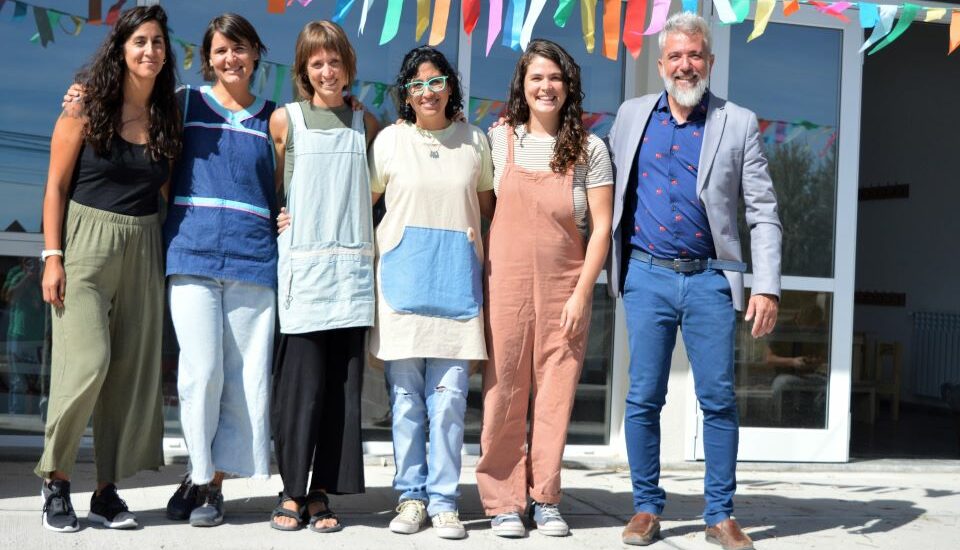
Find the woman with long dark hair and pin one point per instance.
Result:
(110, 157)
(547, 244)
(437, 177)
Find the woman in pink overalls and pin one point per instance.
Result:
(548, 243)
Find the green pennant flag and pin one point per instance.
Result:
(563, 12)
(391, 24)
(742, 9)
(381, 91)
(906, 19)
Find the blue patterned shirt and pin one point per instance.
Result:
(670, 221)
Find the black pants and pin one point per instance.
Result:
(315, 411)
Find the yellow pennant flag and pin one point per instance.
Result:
(438, 29)
(761, 18)
(588, 23)
(423, 17)
(934, 14)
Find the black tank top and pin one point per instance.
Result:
(126, 181)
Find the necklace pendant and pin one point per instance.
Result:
(434, 154)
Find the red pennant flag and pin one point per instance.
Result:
(114, 12)
(276, 6)
(791, 7)
(471, 14)
(633, 26)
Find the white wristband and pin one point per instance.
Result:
(47, 253)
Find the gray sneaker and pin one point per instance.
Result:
(411, 515)
(210, 511)
(447, 525)
(508, 525)
(548, 519)
(58, 514)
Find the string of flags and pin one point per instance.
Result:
(516, 27)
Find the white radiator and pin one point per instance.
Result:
(935, 349)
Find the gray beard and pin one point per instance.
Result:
(687, 97)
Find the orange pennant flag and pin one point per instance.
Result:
(954, 31)
(438, 30)
(276, 6)
(791, 7)
(611, 28)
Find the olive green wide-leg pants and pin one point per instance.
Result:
(105, 360)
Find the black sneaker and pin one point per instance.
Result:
(110, 510)
(184, 500)
(210, 511)
(58, 514)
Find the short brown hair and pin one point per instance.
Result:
(237, 29)
(321, 35)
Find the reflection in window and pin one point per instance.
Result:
(782, 378)
(24, 370)
(792, 81)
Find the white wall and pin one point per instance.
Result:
(909, 130)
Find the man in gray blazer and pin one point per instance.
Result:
(683, 159)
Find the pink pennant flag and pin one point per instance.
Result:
(658, 16)
(494, 23)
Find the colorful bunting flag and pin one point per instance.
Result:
(658, 18)
(438, 30)
(276, 6)
(278, 81)
(471, 14)
(391, 23)
(633, 26)
(588, 23)
(19, 11)
(423, 17)
(725, 11)
(690, 6)
(869, 15)
(762, 17)
(886, 15)
(511, 33)
(494, 23)
(906, 19)
(114, 12)
(741, 8)
(187, 53)
(536, 7)
(93, 12)
(44, 29)
(934, 14)
(363, 15)
(611, 28)
(341, 10)
(791, 7)
(563, 13)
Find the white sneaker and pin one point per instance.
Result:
(448, 525)
(508, 525)
(411, 515)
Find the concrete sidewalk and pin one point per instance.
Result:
(781, 508)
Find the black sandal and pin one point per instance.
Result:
(280, 511)
(327, 513)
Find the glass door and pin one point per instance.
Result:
(802, 79)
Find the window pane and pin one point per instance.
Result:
(782, 378)
(602, 79)
(25, 367)
(791, 78)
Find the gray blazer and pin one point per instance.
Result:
(731, 165)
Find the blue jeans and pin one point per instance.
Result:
(428, 393)
(657, 300)
(225, 330)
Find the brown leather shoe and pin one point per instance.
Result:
(642, 530)
(728, 535)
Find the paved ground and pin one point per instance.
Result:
(782, 506)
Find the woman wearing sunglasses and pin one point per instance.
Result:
(437, 178)
(541, 268)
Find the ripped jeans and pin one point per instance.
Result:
(428, 394)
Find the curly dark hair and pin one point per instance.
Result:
(571, 146)
(103, 80)
(408, 70)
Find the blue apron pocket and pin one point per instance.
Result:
(433, 272)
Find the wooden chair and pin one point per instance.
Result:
(874, 379)
(861, 384)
